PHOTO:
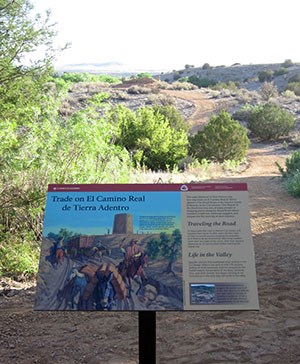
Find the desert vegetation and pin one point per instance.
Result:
(87, 128)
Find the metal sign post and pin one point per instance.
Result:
(147, 337)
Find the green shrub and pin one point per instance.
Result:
(230, 85)
(223, 138)
(149, 137)
(291, 174)
(206, 66)
(173, 116)
(287, 63)
(295, 78)
(265, 75)
(280, 71)
(144, 75)
(293, 163)
(270, 122)
(201, 82)
(75, 77)
(292, 185)
(294, 87)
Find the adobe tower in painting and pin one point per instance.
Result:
(123, 224)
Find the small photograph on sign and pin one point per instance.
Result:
(202, 293)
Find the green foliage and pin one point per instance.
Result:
(265, 76)
(222, 139)
(291, 174)
(149, 137)
(292, 185)
(170, 246)
(294, 87)
(144, 75)
(230, 85)
(75, 77)
(201, 82)
(19, 256)
(293, 163)
(37, 147)
(206, 66)
(153, 248)
(173, 116)
(280, 71)
(270, 122)
(287, 63)
(295, 78)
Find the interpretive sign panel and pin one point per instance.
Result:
(147, 247)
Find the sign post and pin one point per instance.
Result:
(147, 337)
(147, 248)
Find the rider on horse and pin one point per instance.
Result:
(134, 260)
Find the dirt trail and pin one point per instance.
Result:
(203, 107)
(270, 335)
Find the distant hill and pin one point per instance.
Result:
(113, 68)
(246, 75)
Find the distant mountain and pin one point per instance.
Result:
(113, 68)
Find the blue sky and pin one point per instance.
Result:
(97, 222)
(167, 35)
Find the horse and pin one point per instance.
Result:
(104, 293)
(132, 269)
(77, 282)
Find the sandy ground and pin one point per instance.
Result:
(270, 335)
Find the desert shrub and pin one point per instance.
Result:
(230, 85)
(143, 75)
(75, 77)
(294, 87)
(288, 94)
(162, 99)
(179, 85)
(295, 78)
(223, 138)
(201, 82)
(287, 63)
(270, 122)
(243, 114)
(280, 71)
(136, 90)
(173, 116)
(293, 163)
(291, 174)
(292, 185)
(149, 137)
(268, 90)
(206, 66)
(265, 76)
(176, 76)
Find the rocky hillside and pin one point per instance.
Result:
(246, 75)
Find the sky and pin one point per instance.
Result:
(167, 35)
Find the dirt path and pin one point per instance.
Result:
(270, 335)
(203, 107)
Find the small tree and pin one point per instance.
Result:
(268, 90)
(223, 138)
(149, 137)
(206, 66)
(270, 121)
(171, 248)
(153, 248)
(265, 76)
